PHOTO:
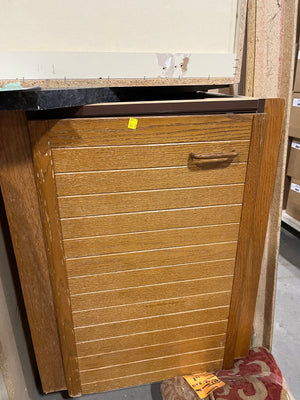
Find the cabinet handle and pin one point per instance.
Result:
(212, 156)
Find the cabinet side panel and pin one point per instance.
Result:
(44, 172)
(23, 213)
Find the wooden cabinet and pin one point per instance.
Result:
(152, 238)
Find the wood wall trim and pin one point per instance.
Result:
(45, 181)
(270, 260)
(270, 54)
(23, 213)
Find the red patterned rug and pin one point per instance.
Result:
(256, 377)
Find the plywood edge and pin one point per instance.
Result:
(240, 39)
(68, 83)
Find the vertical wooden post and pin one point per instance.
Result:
(270, 50)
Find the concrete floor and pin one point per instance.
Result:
(286, 345)
(143, 392)
(286, 339)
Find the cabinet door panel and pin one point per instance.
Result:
(142, 241)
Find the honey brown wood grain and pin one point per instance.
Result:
(150, 259)
(203, 174)
(78, 206)
(23, 213)
(274, 109)
(240, 297)
(151, 308)
(145, 353)
(150, 156)
(151, 130)
(43, 169)
(148, 281)
(154, 338)
(138, 379)
(150, 276)
(112, 244)
(148, 324)
(86, 301)
(149, 221)
(147, 366)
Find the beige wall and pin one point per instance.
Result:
(114, 26)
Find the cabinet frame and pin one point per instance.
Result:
(241, 315)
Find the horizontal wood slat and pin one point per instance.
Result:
(148, 309)
(151, 276)
(133, 380)
(150, 130)
(148, 221)
(150, 293)
(145, 353)
(104, 204)
(134, 326)
(123, 157)
(153, 338)
(149, 259)
(206, 174)
(141, 367)
(112, 244)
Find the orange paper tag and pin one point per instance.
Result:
(204, 383)
(132, 123)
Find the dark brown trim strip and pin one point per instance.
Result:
(152, 108)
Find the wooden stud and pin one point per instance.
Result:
(280, 84)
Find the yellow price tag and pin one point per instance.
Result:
(204, 383)
(132, 124)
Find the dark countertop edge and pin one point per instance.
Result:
(37, 99)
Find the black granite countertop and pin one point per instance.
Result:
(34, 99)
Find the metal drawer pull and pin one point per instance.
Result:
(213, 155)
